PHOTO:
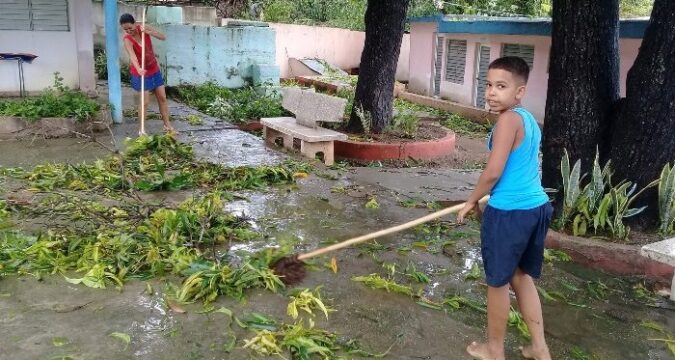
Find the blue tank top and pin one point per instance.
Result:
(519, 187)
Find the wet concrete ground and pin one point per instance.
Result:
(327, 206)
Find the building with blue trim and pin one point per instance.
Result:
(449, 55)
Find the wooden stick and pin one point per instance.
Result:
(142, 132)
(387, 231)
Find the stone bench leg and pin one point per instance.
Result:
(311, 149)
(672, 289)
(271, 135)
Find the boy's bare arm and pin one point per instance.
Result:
(503, 139)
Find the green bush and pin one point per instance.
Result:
(57, 101)
(279, 11)
(406, 122)
(101, 66)
(238, 106)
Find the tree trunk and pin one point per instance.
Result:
(643, 136)
(583, 83)
(385, 21)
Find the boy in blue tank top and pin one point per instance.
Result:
(517, 216)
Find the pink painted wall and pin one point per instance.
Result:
(466, 94)
(628, 51)
(339, 47)
(421, 65)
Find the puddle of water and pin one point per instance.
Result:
(316, 216)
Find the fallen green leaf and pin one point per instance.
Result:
(125, 338)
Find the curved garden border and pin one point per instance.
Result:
(613, 258)
(419, 150)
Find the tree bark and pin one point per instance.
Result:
(583, 84)
(385, 22)
(643, 136)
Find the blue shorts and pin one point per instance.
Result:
(512, 239)
(152, 82)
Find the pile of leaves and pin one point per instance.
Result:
(234, 105)
(57, 101)
(100, 231)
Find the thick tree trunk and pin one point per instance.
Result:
(375, 88)
(643, 136)
(583, 83)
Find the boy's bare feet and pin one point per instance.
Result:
(481, 351)
(530, 352)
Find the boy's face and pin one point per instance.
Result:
(503, 90)
(129, 28)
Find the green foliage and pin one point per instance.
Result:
(667, 339)
(101, 66)
(279, 11)
(635, 8)
(56, 101)
(667, 200)
(308, 301)
(407, 123)
(516, 320)
(579, 354)
(304, 342)
(366, 119)
(598, 204)
(500, 7)
(463, 126)
(375, 281)
(109, 240)
(346, 14)
(349, 14)
(194, 120)
(239, 105)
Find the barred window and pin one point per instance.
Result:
(455, 61)
(34, 15)
(525, 52)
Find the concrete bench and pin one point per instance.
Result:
(663, 252)
(309, 109)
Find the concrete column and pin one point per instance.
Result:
(113, 59)
(83, 27)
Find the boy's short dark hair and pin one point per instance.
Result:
(512, 64)
(127, 19)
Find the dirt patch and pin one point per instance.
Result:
(425, 131)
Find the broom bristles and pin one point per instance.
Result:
(290, 270)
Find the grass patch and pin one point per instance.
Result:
(57, 101)
(235, 105)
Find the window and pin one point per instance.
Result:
(526, 52)
(456, 61)
(34, 15)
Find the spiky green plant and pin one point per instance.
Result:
(667, 199)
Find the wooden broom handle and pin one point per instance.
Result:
(143, 69)
(387, 231)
